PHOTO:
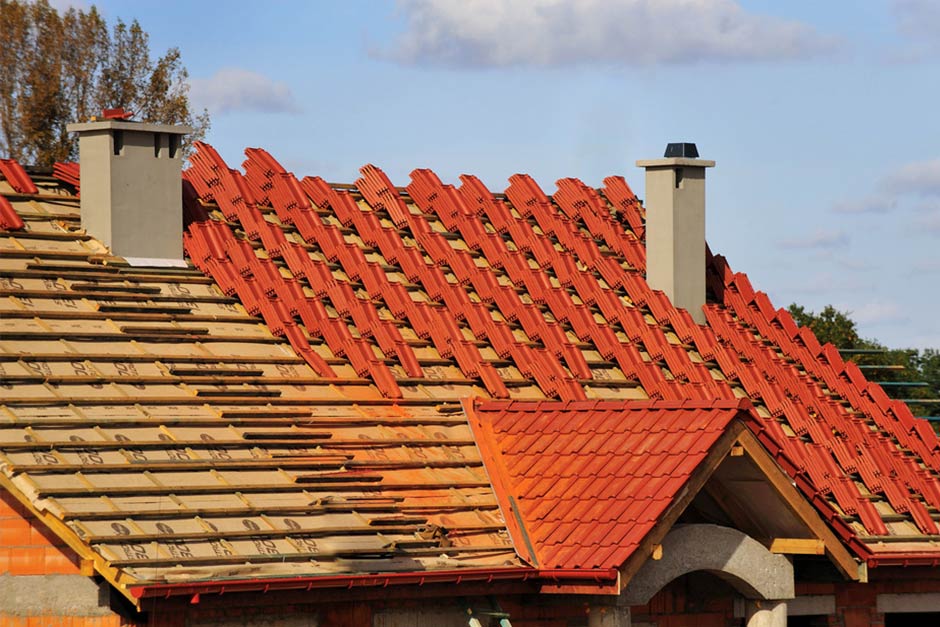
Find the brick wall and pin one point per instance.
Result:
(29, 550)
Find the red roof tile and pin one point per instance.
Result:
(586, 500)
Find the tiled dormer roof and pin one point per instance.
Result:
(587, 481)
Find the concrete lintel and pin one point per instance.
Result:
(673, 162)
(122, 125)
(812, 605)
(908, 602)
(53, 595)
(728, 553)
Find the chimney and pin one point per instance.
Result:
(131, 174)
(675, 226)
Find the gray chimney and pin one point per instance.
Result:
(675, 226)
(131, 196)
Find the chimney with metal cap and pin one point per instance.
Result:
(675, 226)
(131, 196)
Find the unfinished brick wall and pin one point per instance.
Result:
(695, 599)
(27, 548)
(30, 551)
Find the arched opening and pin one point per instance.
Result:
(741, 561)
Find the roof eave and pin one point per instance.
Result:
(590, 581)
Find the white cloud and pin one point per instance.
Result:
(877, 203)
(495, 33)
(825, 283)
(818, 239)
(931, 265)
(929, 221)
(915, 179)
(926, 340)
(920, 177)
(918, 19)
(236, 89)
(877, 312)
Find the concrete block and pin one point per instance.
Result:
(56, 595)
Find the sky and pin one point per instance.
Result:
(822, 116)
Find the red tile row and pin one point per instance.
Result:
(284, 298)
(620, 195)
(69, 173)
(293, 206)
(9, 219)
(432, 197)
(429, 321)
(17, 177)
(580, 202)
(538, 364)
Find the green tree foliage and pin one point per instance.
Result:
(897, 369)
(61, 68)
(829, 325)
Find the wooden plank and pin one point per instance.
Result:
(254, 488)
(312, 441)
(155, 357)
(305, 461)
(320, 532)
(123, 401)
(313, 509)
(137, 334)
(305, 557)
(798, 546)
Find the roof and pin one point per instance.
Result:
(586, 481)
(323, 338)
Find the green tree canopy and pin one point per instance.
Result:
(829, 325)
(57, 68)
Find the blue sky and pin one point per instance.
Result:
(822, 116)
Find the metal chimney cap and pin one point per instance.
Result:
(681, 150)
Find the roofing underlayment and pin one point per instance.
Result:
(291, 403)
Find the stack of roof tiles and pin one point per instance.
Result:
(290, 402)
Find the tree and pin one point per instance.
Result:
(829, 325)
(61, 68)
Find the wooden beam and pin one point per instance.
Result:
(798, 546)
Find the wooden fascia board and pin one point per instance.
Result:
(693, 486)
(496, 471)
(801, 507)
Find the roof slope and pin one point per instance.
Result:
(169, 436)
(549, 292)
(589, 480)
